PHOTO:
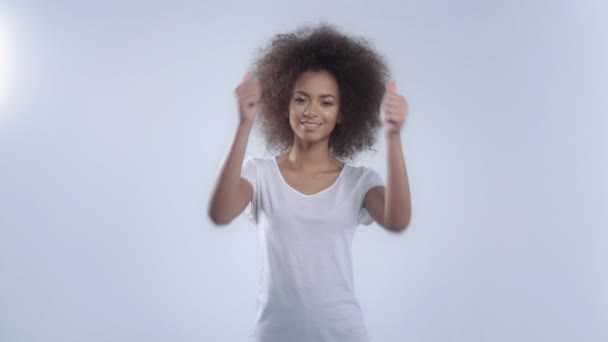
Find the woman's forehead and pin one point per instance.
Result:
(316, 83)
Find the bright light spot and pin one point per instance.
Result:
(3, 58)
(7, 59)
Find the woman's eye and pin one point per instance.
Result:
(327, 103)
(299, 99)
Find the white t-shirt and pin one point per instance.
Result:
(306, 289)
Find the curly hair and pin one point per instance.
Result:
(361, 74)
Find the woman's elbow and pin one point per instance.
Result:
(398, 226)
(216, 217)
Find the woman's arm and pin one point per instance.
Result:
(230, 193)
(391, 206)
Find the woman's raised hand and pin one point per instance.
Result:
(395, 109)
(248, 96)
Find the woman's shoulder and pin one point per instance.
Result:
(362, 177)
(259, 161)
(258, 158)
(358, 171)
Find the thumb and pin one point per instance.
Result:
(392, 87)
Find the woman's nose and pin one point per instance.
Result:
(310, 110)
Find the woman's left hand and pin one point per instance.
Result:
(395, 109)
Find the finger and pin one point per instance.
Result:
(390, 101)
(393, 123)
(396, 97)
(390, 117)
(250, 101)
(391, 108)
(252, 97)
(252, 94)
(395, 102)
(251, 84)
(393, 98)
(392, 87)
(394, 115)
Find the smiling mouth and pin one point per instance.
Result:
(310, 124)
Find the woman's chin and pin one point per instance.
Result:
(306, 138)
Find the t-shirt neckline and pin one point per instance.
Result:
(333, 185)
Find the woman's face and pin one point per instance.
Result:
(314, 105)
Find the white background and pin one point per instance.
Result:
(118, 115)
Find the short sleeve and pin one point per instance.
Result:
(249, 173)
(371, 178)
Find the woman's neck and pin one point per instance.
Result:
(313, 157)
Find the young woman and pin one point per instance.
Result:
(318, 95)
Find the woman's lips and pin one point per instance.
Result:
(311, 124)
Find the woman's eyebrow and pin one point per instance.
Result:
(322, 95)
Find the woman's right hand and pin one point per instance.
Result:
(248, 96)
